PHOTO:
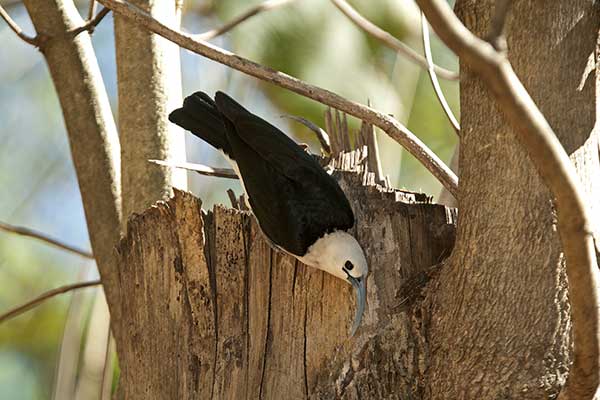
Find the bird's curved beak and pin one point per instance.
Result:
(361, 297)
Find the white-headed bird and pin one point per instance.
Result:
(298, 205)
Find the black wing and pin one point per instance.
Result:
(294, 200)
(200, 116)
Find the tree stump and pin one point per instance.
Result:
(212, 311)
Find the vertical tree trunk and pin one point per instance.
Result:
(500, 325)
(149, 76)
(213, 312)
(90, 126)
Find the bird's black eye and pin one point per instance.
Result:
(348, 265)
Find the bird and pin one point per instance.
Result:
(299, 207)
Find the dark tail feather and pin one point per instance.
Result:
(230, 108)
(200, 116)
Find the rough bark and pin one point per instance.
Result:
(500, 325)
(90, 126)
(214, 312)
(149, 75)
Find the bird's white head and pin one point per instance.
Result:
(340, 254)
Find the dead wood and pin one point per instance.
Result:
(214, 312)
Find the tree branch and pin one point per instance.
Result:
(199, 168)
(17, 29)
(92, 23)
(43, 297)
(388, 40)
(557, 171)
(388, 124)
(44, 238)
(433, 77)
(265, 6)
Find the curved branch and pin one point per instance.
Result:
(433, 77)
(558, 173)
(17, 29)
(388, 40)
(388, 124)
(19, 230)
(43, 297)
(266, 6)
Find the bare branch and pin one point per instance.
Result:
(390, 41)
(265, 6)
(322, 136)
(91, 10)
(433, 77)
(19, 230)
(388, 124)
(557, 171)
(199, 168)
(43, 297)
(17, 29)
(496, 35)
(91, 24)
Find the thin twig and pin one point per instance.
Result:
(199, 168)
(559, 175)
(322, 136)
(496, 34)
(385, 122)
(387, 39)
(43, 297)
(91, 10)
(433, 77)
(17, 29)
(91, 24)
(266, 6)
(19, 230)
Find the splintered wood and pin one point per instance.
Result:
(214, 312)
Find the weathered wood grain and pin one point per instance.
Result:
(214, 312)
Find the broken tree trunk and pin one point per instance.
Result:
(213, 311)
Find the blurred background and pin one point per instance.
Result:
(58, 350)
